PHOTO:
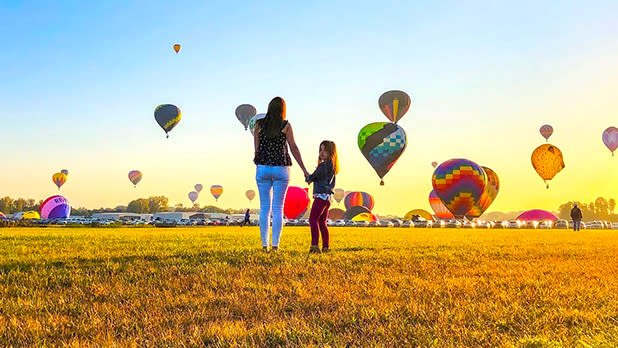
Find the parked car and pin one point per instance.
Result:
(613, 226)
(396, 222)
(469, 224)
(421, 224)
(452, 224)
(562, 224)
(513, 224)
(350, 223)
(594, 225)
(385, 223)
(407, 224)
(339, 223)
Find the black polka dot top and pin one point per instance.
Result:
(273, 151)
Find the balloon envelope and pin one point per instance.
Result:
(546, 131)
(216, 191)
(357, 198)
(55, 207)
(610, 138)
(489, 194)
(296, 202)
(31, 215)
(418, 212)
(434, 164)
(59, 179)
(547, 161)
(244, 113)
(167, 116)
(135, 176)
(438, 207)
(353, 211)
(177, 48)
(250, 194)
(338, 195)
(336, 214)
(365, 217)
(382, 143)
(65, 172)
(459, 183)
(394, 104)
(537, 215)
(193, 196)
(253, 122)
(198, 188)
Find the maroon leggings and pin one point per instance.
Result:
(317, 220)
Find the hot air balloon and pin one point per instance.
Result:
(459, 183)
(537, 215)
(364, 217)
(167, 116)
(193, 196)
(336, 214)
(296, 202)
(418, 212)
(135, 176)
(382, 143)
(438, 207)
(546, 131)
(547, 161)
(351, 212)
(339, 195)
(434, 164)
(59, 179)
(250, 195)
(489, 194)
(31, 215)
(177, 48)
(357, 198)
(65, 172)
(253, 122)
(216, 191)
(394, 104)
(610, 139)
(55, 207)
(244, 113)
(198, 188)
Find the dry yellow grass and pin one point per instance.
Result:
(195, 287)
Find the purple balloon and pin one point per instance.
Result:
(55, 207)
(610, 139)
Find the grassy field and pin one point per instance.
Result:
(391, 287)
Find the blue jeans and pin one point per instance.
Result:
(576, 225)
(275, 179)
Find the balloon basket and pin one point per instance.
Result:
(381, 182)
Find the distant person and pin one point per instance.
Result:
(272, 137)
(323, 179)
(576, 215)
(246, 221)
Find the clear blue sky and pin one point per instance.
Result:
(80, 81)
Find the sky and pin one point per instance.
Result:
(80, 81)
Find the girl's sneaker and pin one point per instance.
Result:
(326, 250)
(314, 249)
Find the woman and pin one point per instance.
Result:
(272, 136)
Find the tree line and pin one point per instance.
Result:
(600, 209)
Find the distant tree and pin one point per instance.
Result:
(139, 206)
(611, 205)
(157, 204)
(6, 205)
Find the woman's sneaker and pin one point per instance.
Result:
(326, 250)
(265, 249)
(275, 249)
(314, 249)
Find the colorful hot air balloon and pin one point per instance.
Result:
(31, 215)
(351, 212)
(357, 198)
(198, 187)
(250, 195)
(59, 179)
(610, 139)
(547, 161)
(296, 202)
(364, 217)
(546, 131)
(135, 176)
(418, 212)
(193, 196)
(339, 195)
(167, 116)
(394, 104)
(177, 48)
(244, 113)
(382, 143)
(65, 172)
(55, 207)
(489, 194)
(434, 164)
(253, 122)
(216, 191)
(438, 207)
(459, 183)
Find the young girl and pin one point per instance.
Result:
(323, 179)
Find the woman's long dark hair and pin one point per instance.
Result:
(271, 124)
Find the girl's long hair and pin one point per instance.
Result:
(272, 122)
(332, 150)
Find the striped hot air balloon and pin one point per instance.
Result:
(357, 198)
(459, 183)
(216, 191)
(135, 176)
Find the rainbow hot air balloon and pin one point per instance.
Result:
(135, 176)
(394, 104)
(438, 207)
(459, 183)
(382, 143)
(244, 113)
(357, 198)
(489, 194)
(547, 161)
(193, 196)
(55, 207)
(216, 191)
(610, 139)
(177, 48)
(59, 179)
(338, 195)
(250, 195)
(546, 131)
(198, 188)
(167, 116)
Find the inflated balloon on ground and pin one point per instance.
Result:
(296, 202)
(55, 207)
(167, 116)
(547, 161)
(420, 213)
(438, 207)
(336, 214)
(459, 183)
(382, 143)
(351, 212)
